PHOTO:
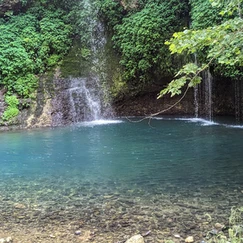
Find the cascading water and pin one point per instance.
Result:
(196, 103)
(203, 95)
(84, 98)
(238, 100)
(196, 93)
(207, 82)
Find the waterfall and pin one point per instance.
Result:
(196, 104)
(84, 98)
(203, 95)
(238, 100)
(207, 82)
(196, 93)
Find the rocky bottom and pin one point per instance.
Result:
(74, 210)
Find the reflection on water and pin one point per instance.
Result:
(114, 174)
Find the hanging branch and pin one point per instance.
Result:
(177, 102)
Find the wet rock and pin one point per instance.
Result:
(135, 239)
(189, 239)
(213, 232)
(203, 241)
(19, 206)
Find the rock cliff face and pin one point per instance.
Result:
(226, 99)
(146, 103)
(54, 107)
(9, 5)
(61, 102)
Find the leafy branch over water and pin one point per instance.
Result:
(222, 44)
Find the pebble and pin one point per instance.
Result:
(213, 232)
(19, 206)
(77, 232)
(189, 239)
(177, 236)
(219, 226)
(135, 239)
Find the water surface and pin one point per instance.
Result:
(174, 167)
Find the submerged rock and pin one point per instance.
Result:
(189, 239)
(6, 240)
(77, 232)
(135, 239)
(19, 206)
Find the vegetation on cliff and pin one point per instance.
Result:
(209, 29)
(36, 35)
(139, 32)
(30, 43)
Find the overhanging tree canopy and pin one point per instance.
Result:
(221, 44)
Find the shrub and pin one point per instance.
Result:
(12, 109)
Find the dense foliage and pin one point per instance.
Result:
(111, 12)
(140, 35)
(30, 44)
(203, 14)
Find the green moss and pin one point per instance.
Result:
(119, 86)
(76, 63)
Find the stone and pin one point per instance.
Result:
(219, 226)
(189, 239)
(77, 232)
(177, 236)
(135, 239)
(19, 206)
(213, 232)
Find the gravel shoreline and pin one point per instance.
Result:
(45, 210)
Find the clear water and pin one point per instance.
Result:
(167, 163)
